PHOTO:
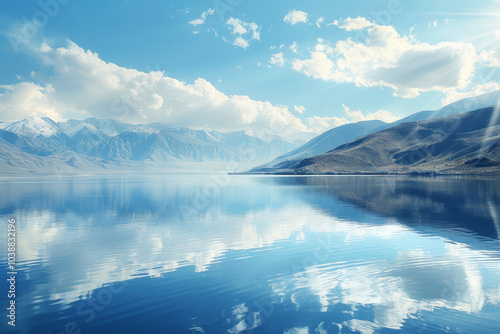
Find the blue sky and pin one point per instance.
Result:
(295, 67)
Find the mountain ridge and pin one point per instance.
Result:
(312, 148)
(463, 143)
(40, 142)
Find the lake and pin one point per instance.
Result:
(254, 254)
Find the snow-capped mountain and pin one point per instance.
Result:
(22, 143)
(44, 131)
(105, 126)
(34, 127)
(149, 144)
(164, 144)
(345, 133)
(463, 143)
(324, 142)
(86, 139)
(111, 145)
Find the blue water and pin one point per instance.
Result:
(247, 254)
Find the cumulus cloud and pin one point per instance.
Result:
(322, 124)
(299, 109)
(490, 58)
(241, 42)
(28, 99)
(319, 22)
(295, 16)
(480, 89)
(277, 59)
(201, 20)
(320, 65)
(357, 23)
(244, 31)
(294, 47)
(381, 115)
(334, 23)
(81, 83)
(385, 58)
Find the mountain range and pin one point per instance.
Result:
(41, 145)
(462, 137)
(463, 143)
(346, 133)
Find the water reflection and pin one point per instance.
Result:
(468, 203)
(290, 255)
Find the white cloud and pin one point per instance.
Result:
(201, 20)
(241, 42)
(238, 26)
(295, 16)
(294, 47)
(381, 115)
(80, 82)
(245, 31)
(27, 99)
(385, 58)
(322, 124)
(157, 101)
(490, 58)
(497, 33)
(277, 59)
(319, 22)
(319, 66)
(299, 109)
(357, 23)
(334, 23)
(216, 34)
(480, 89)
(433, 24)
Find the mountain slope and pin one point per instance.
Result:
(455, 108)
(256, 147)
(349, 132)
(50, 144)
(323, 143)
(149, 144)
(16, 160)
(25, 144)
(159, 143)
(86, 140)
(43, 131)
(107, 127)
(33, 127)
(467, 142)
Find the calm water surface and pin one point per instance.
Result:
(242, 254)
